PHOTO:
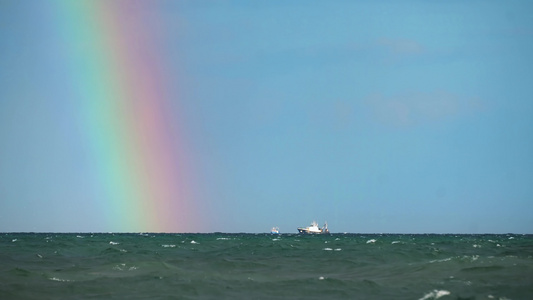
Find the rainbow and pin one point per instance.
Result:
(126, 100)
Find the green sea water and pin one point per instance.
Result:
(264, 266)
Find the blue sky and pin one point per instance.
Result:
(376, 116)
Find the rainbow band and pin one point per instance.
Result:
(123, 95)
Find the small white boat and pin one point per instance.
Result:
(274, 230)
(314, 229)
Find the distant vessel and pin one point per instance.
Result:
(314, 229)
(274, 230)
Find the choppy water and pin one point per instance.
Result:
(249, 266)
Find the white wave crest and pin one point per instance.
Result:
(58, 279)
(371, 241)
(435, 294)
(123, 267)
(440, 260)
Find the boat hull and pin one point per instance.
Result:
(306, 231)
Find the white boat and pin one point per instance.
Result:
(314, 229)
(274, 230)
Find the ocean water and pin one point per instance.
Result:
(264, 266)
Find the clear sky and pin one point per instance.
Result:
(375, 116)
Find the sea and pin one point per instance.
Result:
(265, 266)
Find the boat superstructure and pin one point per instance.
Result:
(314, 229)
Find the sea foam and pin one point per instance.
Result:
(435, 294)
